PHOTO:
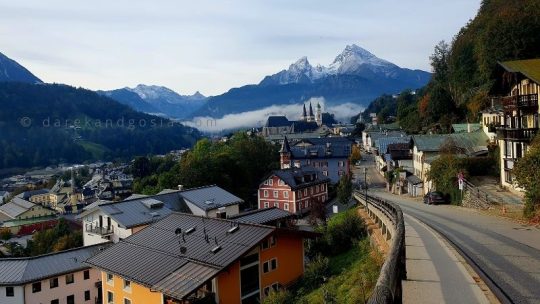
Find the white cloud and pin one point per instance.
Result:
(257, 118)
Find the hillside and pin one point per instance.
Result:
(464, 70)
(10, 70)
(157, 100)
(38, 126)
(355, 76)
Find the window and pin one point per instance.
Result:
(271, 182)
(325, 173)
(55, 301)
(317, 188)
(269, 242)
(266, 205)
(70, 299)
(10, 292)
(286, 206)
(110, 280)
(127, 301)
(265, 193)
(70, 278)
(270, 265)
(110, 297)
(127, 285)
(275, 194)
(86, 274)
(286, 194)
(53, 283)
(276, 204)
(305, 192)
(311, 190)
(36, 287)
(281, 183)
(87, 295)
(273, 287)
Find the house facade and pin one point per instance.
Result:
(200, 258)
(519, 84)
(21, 209)
(113, 221)
(293, 189)
(59, 277)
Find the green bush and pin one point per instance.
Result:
(5, 234)
(278, 297)
(317, 271)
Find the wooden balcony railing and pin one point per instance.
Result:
(523, 102)
(517, 134)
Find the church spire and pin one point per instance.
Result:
(310, 117)
(304, 114)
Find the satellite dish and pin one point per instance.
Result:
(183, 250)
(178, 231)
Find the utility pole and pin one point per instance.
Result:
(365, 184)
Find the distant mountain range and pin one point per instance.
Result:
(355, 76)
(10, 70)
(157, 100)
(43, 124)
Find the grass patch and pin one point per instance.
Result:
(355, 273)
(97, 150)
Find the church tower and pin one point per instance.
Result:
(318, 117)
(311, 117)
(285, 154)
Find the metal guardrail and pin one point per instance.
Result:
(388, 288)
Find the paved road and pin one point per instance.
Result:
(434, 270)
(506, 252)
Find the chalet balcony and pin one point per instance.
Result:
(95, 229)
(516, 134)
(527, 103)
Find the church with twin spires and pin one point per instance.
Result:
(309, 122)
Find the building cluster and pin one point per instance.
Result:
(178, 246)
(511, 122)
(309, 125)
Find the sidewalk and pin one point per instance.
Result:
(435, 272)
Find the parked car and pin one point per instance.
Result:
(434, 197)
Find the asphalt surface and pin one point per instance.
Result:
(505, 254)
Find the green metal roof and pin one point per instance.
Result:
(463, 127)
(530, 68)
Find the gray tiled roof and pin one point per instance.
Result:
(28, 194)
(17, 271)
(292, 176)
(16, 207)
(382, 143)
(211, 197)
(135, 212)
(319, 151)
(262, 216)
(153, 256)
(277, 121)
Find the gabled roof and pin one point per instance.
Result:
(210, 197)
(165, 257)
(18, 271)
(472, 144)
(529, 68)
(382, 143)
(16, 207)
(320, 151)
(28, 194)
(277, 121)
(262, 216)
(293, 177)
(135, 212)
(429, 143)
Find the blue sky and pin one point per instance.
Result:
(212, 46)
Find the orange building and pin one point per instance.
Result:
(185, 258)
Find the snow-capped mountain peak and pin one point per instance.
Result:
(353, 60)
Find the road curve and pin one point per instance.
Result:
(505, 253)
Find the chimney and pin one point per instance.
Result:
(180, 187)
